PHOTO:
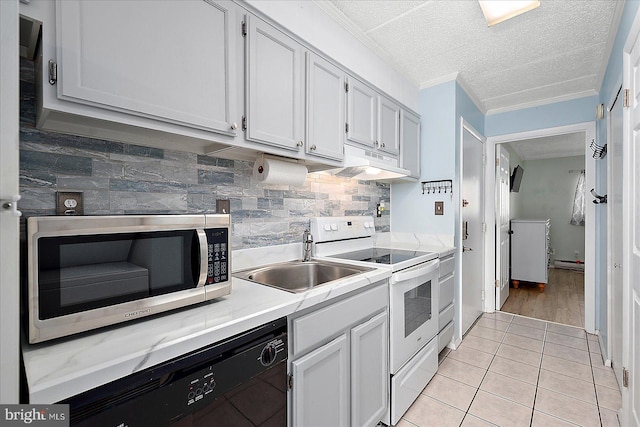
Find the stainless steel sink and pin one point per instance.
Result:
(298, 276)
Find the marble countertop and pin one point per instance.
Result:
(442, 244)
(66, 367)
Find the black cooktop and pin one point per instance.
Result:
(380, 255)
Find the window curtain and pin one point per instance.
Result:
(577, 213)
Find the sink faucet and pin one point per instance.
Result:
(307, 240)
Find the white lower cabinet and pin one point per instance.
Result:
(369, 371)
(342, 378)
(321, 391)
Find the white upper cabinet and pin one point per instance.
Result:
(325, 108)
(171, 61)
(388, 126)
(410, 142)
(362, 117)
(373, 120)
(274, 95)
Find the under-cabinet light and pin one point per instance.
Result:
(496, 11)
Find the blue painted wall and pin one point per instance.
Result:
(441, 107)
(563, 113)
(415, 211)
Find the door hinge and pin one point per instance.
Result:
(290, 382)
(482, 295)
(244, 29)
(625, 377)
(497, 161)
(244, 123)
(497, 283)
(346, 127)
(53, 72)
(484, 227)
(626, 98)
(346, 87)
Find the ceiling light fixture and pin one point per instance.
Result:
(496, 11)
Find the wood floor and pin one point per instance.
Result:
(562, 300)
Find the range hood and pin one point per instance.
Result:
(368, 165)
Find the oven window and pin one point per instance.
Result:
(417, 307)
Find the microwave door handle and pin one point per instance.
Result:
(417, 271)
(204, 257)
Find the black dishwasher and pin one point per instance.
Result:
(240, 381)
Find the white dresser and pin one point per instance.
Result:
(530, 251)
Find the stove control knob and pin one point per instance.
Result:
(268, 355)
(327, 227)
(334, 227)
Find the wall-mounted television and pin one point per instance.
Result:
(516, 178)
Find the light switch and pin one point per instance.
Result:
(439, 208)
(223, 206)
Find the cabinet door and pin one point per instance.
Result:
(369, 371)
(389, 126)
(362, 117)
(274, 66)
(140, 58)
(325, 108)
(410, 142)
(320, 393)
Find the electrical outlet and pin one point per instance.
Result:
(439, 208)
(69, 203)
(576, 254)
(223, 206)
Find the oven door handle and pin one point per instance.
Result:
(417, 271)
(204, 257)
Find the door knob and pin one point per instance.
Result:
(465, 203)
(467, 249)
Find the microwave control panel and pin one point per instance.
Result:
(218, 257)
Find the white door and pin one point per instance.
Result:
(320, 393)
(472, 215)
(9, 237)
(615, 236)
(631, 229)
(502, 225)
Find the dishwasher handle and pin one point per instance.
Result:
(417, 271)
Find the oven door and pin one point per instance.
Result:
(413, 310)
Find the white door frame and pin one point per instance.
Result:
(629, 355)
(9, 227)
(464, 125)
(589, 128)
(611, 192)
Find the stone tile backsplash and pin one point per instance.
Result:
(118, 178)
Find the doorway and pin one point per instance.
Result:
(546, 175)
(586, 132)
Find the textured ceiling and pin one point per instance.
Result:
(557, 51)
(568, 145)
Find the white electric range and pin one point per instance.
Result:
(413, 301)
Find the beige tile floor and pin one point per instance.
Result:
(517, 371)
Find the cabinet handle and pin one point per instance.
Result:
(383, 145)
(300, 144)
(376, 143)
(313, 147)
(234, 126)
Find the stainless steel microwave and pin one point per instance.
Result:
(86, 272)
